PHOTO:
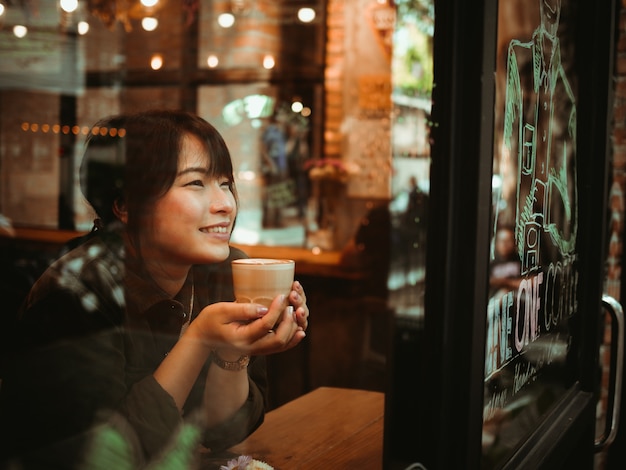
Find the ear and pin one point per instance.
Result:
(119, 209)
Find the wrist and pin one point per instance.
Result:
(194, 333)
(227, 354)
(230, 362)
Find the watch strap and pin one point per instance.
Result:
(235, 366)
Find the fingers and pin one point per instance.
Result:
(297, 297)
(302, 318)
(297, 294)
(249, 312)
(285, 335)
(260, 323)
(253, 328)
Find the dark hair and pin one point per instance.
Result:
(102, 167)
(132, 159)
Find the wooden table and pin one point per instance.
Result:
(327, 428)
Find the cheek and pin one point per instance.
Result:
(234, 203)
(176, 210)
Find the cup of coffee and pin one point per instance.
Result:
(260, 280)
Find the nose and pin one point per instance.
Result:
(221, 199)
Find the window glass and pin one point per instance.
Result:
(534, 261)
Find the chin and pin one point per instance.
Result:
(216, 255)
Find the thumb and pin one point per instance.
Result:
(248, 312)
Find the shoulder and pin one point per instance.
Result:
(92, 273)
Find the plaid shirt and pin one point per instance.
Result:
(93, 330)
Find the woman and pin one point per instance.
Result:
(138, 320)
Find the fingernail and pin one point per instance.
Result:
(261, 310)
(290, 310)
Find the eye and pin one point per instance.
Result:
(195, 183)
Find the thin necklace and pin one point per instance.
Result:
(193, 291)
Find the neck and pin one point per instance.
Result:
(170, 279)
(168, 276)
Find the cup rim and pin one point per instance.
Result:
(263, 262)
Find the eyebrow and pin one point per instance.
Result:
(193, 169)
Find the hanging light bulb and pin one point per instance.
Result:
(296, 106)
(68, 6)
(20, 30)
(269, 62)
(226, 20)
(156, 62)
(149, 23)
(212, 61)
(306, 14)
(82, 27)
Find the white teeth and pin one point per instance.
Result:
(216, 230)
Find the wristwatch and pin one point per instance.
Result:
(237, 365)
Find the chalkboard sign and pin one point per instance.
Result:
(534, 262)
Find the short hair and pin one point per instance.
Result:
(133, 159)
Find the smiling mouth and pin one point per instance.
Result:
(215, 230)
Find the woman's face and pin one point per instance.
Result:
(192, 222)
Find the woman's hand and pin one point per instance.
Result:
(297, 298)
(245, 328)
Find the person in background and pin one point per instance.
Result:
(137, 328)
(297, 154)
(274, 170)
(505, 270)
(369, 249)
(416, 226)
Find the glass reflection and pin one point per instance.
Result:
(412, 77)
(533, 274)
(83, 60)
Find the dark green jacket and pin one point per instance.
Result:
(93, 330)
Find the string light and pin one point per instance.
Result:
(84, 130)
(149, 22)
